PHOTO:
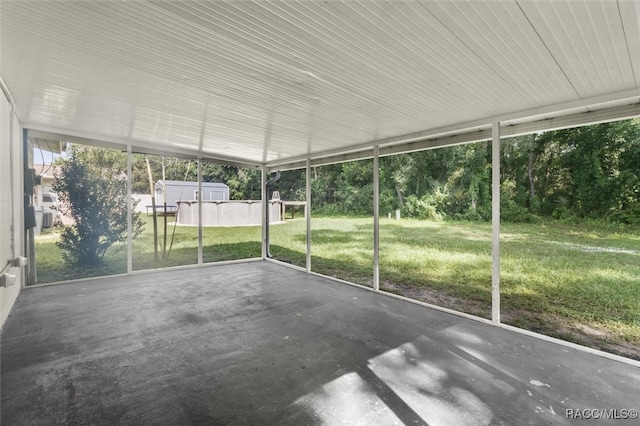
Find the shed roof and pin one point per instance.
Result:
(180, 183)
(275, 82)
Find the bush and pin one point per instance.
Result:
(629, 216)
(515, 213)
(92, 190)
(564, 214)
(421, 208)
(470, 215)
(356, 201)
(328, 210)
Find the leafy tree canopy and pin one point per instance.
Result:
(584, 172)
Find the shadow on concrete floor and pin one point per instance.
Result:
(260, 343)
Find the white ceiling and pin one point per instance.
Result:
(269, 82)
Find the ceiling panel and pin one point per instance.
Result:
(271, 81)
(501, 37)
(587, 40)
(630, 16)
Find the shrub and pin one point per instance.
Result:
(421, 208)
(92, 190)
(470, 215)
(564, 214)
(629, 216)
(510, 211)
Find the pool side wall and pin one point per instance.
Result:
(227, 213)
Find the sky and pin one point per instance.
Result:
(42, 156)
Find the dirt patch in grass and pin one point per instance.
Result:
(589, 335)
(439, 298)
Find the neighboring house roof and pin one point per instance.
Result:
(46, 171)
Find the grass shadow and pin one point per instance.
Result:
(231, 251)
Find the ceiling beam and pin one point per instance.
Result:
(139, 147)
(416, 143)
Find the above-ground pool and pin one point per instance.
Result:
(227, 213)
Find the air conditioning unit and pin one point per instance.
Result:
(47, 220)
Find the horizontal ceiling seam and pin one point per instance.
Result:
(472, 135)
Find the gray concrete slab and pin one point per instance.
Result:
(259, 343)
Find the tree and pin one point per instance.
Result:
(602, 160)
(244, 184)
(584, 172)
(91, 188)
(292, 185)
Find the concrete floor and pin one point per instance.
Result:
(259, 343)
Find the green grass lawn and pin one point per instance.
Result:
(576, 282)
(218, 244)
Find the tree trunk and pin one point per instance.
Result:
(547, 176)
(532, 188)
(399, 193)
(164, 201)
(153, 207)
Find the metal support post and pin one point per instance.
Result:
(265, 206)
(495, 223)
(376, 218)
(129, 211)
(308, 214)
(200, 198)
